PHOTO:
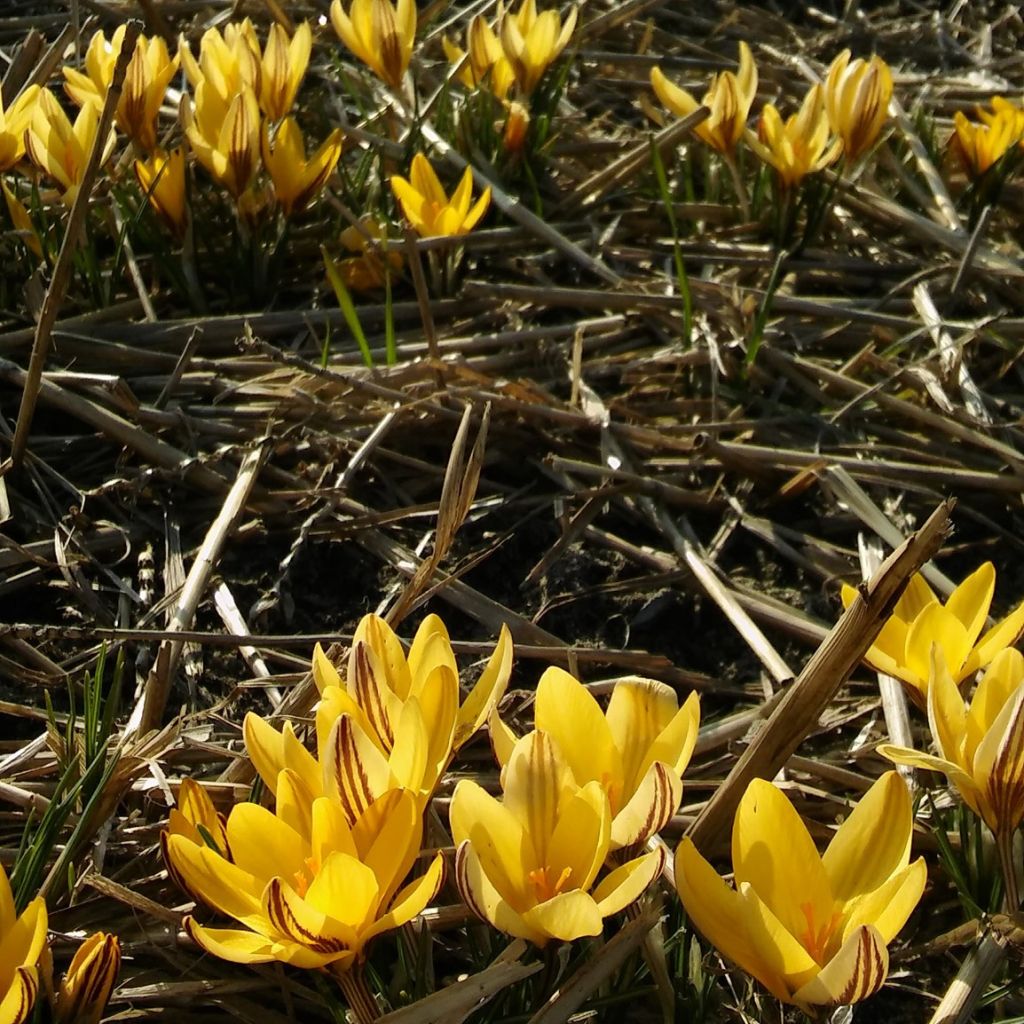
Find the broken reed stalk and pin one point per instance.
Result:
(798, 711)
(65, 258)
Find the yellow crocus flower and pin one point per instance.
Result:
(228, 62)
(61, 148)
(979, 146)
(366, 271)
(194, 820)
(532, 42)
(145, 83)
(812, 929)
(857, 95)
(395, 720)
(89, 981)
(981, 745)
(487, 65)
(903, 647)
(637, 751)
(729, 99)
(528, 863)
(13, 122)
(380, 34)
(229, 146)
(23, 941)
(798, 146)
(283, 67)
(297, 180)
(310, 889)
(427, 207)
(24, 229)
(162, 177)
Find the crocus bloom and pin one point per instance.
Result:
(532, 42)
(61, 148)
(979, 146)
(310, 889)
(403, 720)
(636, 752)
(283, 68)
(296, 179)
(365, 271)
(89, 981)
(487, 65)
(23, 941)
(145, 83)
(903, 647)
(527, 863)
(228, 63)
(981, 746)
(813, 930)
(228, 148)
(797, 146)
(729, 99)
(857, 95)
(162, 177)
(517, 126)
(13, 122)
(380, 34)
(427, 207)
(197, 821)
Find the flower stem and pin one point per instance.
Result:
(729, 159)
(1011, 893)
(361, 1001)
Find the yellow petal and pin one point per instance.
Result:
(649, 809)
(219, 883)
(430, 647)
(537, 780)
(936, 625)
(674, 744)
(999, 766)
(734, 924)
(243, 947)
(499, 841)
(489, 689)
(385, 644)
(341, 901)
(857, 971)
(887, 908)
(947, 715)
(638, 711)
(438, 700)
(916, 596)
(1003, 634)
(324, 672)
(294, 803)
(355, 771)
(397, 844)
(567, 916)
(1001, 679)
(411, 901)
(628, 882)
(972, 599)
(408, 759)
(8, 914)
(503, 739)
(425, 181)
(916, 759)
(262, 845)
(567, 712)
(483, 898)
(773, 852)
(873, 843)
(18, 1000)
(579, 843)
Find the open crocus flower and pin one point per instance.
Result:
(309, 889)
(981, 746)
(532, 42)
(978, 147)
(61, 148)
(22, 943)
(527, 863)
(13, 122)
(145, 83)
(162, 177)
(729, 99)
(427, 207)
(380, 34)
(282, 69)
(487, 65)
(297, 181)
(636, 752)
(798, 146)
(229, 146)
(89, 981)
(903, 647)
(857, 95)
(813, 930)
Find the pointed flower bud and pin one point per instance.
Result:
(89, 981)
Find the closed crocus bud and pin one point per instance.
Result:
(162, 177)
(857, 95)
(283, 68)
(23, 942)
(89, 981)
(517, 125)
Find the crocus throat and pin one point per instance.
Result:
(543, 886)
(816, 939)
(303, 878)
